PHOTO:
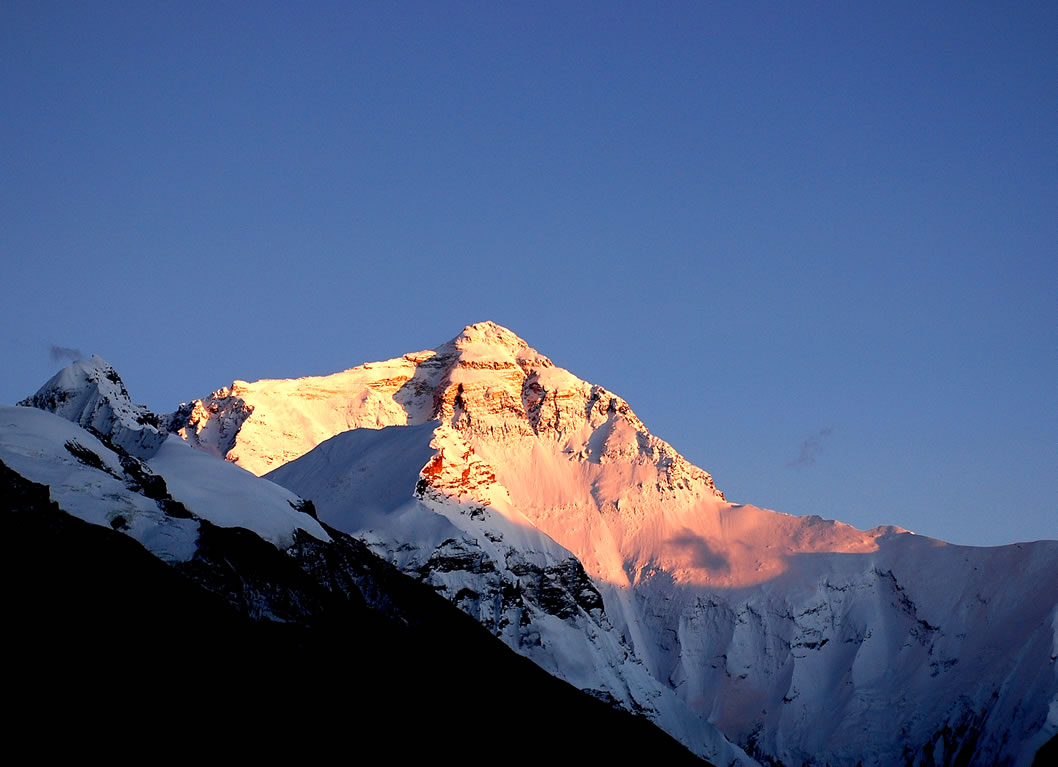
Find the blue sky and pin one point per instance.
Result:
(812, 244)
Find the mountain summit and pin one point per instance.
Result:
(488, 333)
(486, 381)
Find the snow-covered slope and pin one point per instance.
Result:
(420, 501)
(87, 479)
(802, 639)
(105, 462)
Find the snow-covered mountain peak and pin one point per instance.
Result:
(489, 333)
(491, 343)
(109, 464)
(91, 394)
(487, 382)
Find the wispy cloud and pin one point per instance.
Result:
(64, 353)
(811, 448)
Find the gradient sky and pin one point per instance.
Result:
(814, 245)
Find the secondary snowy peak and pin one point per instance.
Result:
(91, 394)
(108, 463)
(487, 382)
